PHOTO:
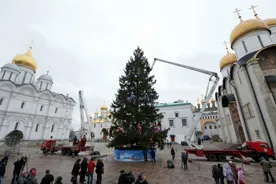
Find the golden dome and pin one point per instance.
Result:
(213, 100)
(202, 101)
(26, 60)
(245, 27)
(270, 22)
(96, 113)
(228, 59)
(103, 107)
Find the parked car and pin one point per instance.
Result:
(206, 137)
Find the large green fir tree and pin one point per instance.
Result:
(136, 119)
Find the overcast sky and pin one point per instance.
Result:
(87, 43)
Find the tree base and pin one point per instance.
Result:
(132, 154)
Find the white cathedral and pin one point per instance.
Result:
(29, 110)
(246, 98)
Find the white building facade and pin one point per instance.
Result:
(29, 110)
(178, 116)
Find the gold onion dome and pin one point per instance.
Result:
(213, 100)
(270, 22)
(228, 59)
(26, 60)
(103, 107)
(202, 101)
(248, 26)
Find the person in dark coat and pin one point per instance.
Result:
(16, 170)
(220, 173)
(48, 178)
(2, 171)
(23, 161)
(99, 171)
(152, 153)
(83, 170)
(172, 153)
(141, 179)
(4, 161)
(215, 173)
(75, 171)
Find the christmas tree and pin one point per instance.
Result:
(136, 120)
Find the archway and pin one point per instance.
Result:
(241, 134)
(105, 133)
(14, 138)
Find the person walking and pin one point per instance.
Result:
(172, 153)
(4, 161)
(2, 171)
(16, 171)
(215, 173)
(266, 166)
(220, 174)
(234, 171)
(90, 167)
(83, 169)
(99, 171)
(228, 174)
(22, 178)
(48, 178)
(184, 158)
(240, 176)
(75, 171)
(152, 153)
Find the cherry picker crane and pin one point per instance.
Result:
(213, 78)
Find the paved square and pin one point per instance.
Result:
(199, 171)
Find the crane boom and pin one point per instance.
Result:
(83, 110)
(189, 137)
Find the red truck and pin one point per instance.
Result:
(252, 149)
(50, 146)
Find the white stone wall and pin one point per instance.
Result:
(98, 127)
(30, 115)
(184, 111)
(252, 43)
(210, 128)
(273, 34)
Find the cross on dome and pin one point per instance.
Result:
(252, 7)
(226, 47)
(237, 11)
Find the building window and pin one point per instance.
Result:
(1, 101)
(210, 127)
(36, 128)
(56, 110)
(244, 46)
(16, 126)
(184, 122)
(248, 111)
(215, 127)
(22, 105)
(171, 123)
(41, 108)
(258, 134)
(53, 126)
(205, 127)
(259, 38)
(176, 114)
(94, 125)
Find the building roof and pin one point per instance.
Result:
(160, 105)
(26, 60)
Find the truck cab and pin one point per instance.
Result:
(48, 145)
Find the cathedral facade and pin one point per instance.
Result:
(29, 110)
(246, 98)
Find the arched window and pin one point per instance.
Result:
(215, 127)
(22, 105)
(205, 127)
(53, 126)
(210, 127)
(16, 125)
(1, 101)
(41, 107)
(56, 110)
(36, 128)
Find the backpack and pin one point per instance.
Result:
(184, 156)
(170, 164)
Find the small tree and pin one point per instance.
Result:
(136, 119)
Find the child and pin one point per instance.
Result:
(240, 176)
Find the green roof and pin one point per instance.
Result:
(171, 104)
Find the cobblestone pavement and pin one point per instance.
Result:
(199, 171)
